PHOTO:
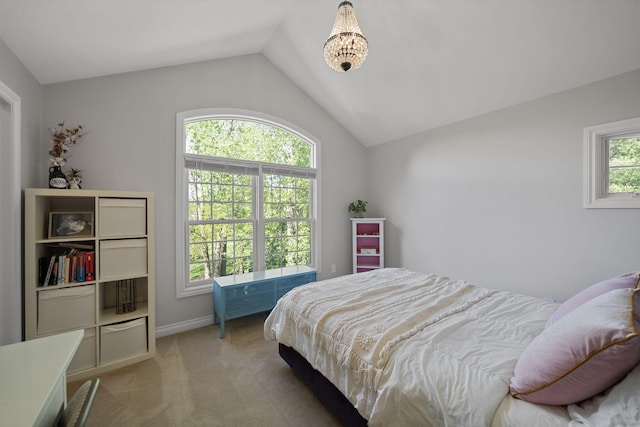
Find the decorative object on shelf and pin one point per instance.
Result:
(65, 224)
(346, 48)
(126, 294)
(74, 177)
(57, 179)
(61, 139)
(359, 207)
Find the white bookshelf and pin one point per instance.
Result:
(367, 246)
(122, 240)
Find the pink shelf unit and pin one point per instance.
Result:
(367, 243)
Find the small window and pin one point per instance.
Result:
(612, 165)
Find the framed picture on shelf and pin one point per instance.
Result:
(70, 224)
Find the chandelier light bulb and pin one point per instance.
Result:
(346, 48)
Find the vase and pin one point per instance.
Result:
(57, 178)
(74, 184)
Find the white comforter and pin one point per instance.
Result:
(411, 349)
(421, 348)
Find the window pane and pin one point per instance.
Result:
(288, 197)
(199, 176)
(273, 229)
(222, 193)
(302, 192)
(244, 231)
(200, 233)
(222, 210)
(625, 180)
(200, 254)
(302, 210)
(247, 140)
(233, 249)
(243, 194)
(199, 271)
(624, 152)
(287, 243)
(224, 196)
(242, 211)
(624, 165)
(200, 211)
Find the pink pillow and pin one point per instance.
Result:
(629, 280)
(583, 353)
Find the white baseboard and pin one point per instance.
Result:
(163, 331)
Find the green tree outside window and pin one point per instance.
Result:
(624, 165)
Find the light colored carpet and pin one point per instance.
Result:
(197, 379)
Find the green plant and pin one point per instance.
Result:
(359, 206)
(74, 173)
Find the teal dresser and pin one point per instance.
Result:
(245, 294)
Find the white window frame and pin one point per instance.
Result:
(596, 160)
(183, 289)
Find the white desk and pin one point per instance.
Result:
(33, 379)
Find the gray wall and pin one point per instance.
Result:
(19, 80)
(131, 146)
(16, 76)
(497, 199)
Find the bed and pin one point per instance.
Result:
(394, 347)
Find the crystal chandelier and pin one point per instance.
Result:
(346, 47)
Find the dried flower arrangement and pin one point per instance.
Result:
(61, 139)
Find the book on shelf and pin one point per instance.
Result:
(61, 274)
(43, 264)
(47, 276)
(90, 266)
(71, 266)
(54, 274)
(81, 267)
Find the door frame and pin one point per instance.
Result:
(11, 291)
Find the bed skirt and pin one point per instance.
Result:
(324, 390)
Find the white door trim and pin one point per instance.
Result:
(11, 291)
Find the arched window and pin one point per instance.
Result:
(246, 188)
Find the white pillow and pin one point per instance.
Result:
(618, 406)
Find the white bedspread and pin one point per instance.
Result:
(409, 349)
(360, 326)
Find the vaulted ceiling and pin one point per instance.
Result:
(430, 63)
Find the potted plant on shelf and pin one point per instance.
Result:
(359, 207)
(74, 178)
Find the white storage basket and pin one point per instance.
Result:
(123, 258)
(85, 357)
(66, 309)
(122, 217)
(121, 341)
